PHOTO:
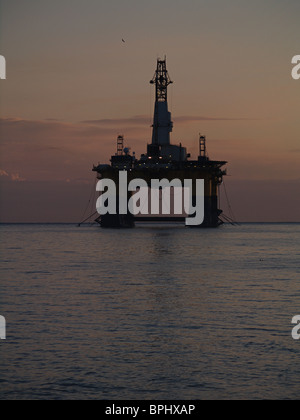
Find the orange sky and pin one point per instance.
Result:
(72, 86)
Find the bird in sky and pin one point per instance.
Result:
(123, 40)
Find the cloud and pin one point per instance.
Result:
(191, 119)
(3, 173)
(57, 150)
(17, 178)
(13, 129)
(135, 120)
(144, 120)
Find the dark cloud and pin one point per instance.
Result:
(15, 177)
(144, 120)
(190, 119)
(135, 120)
(56, 150)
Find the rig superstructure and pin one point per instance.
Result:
(164, 160)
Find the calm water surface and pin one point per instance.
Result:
(150, 313)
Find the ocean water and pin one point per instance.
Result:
(151, 313)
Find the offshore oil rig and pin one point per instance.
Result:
(163, 160)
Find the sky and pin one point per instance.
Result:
(73, 86)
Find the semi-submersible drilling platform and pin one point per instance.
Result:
(164, 160)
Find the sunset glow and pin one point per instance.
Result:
(73, 86)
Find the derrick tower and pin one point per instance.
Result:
(162, 124)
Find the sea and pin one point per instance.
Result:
(160, 312)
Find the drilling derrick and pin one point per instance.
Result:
(162, 124)
(161, 146)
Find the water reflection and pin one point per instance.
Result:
(150, 313)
